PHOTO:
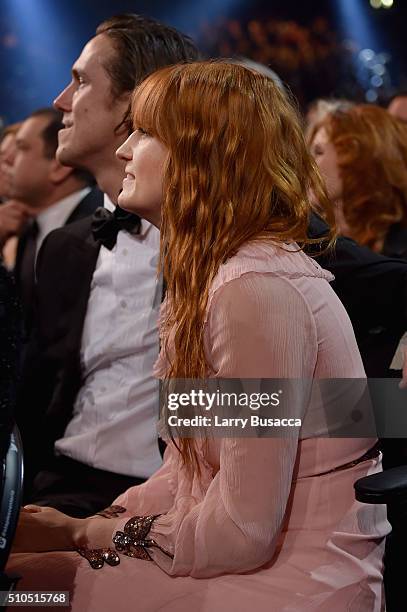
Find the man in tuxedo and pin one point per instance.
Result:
(89, 403)
(51, 194)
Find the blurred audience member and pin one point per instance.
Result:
(319, 109)
(362, 154)
(10, 225)
(309, 59)
(398, 106)
(53, 194)
(89, 368)
(7, 153)
(371, 287)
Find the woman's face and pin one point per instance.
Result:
(327, 160)
(142, 192)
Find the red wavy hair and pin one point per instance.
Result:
(371, 146)
(238, 170)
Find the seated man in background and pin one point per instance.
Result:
(53, 194)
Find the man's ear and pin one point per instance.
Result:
(58, 172)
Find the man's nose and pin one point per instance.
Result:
(63, 101)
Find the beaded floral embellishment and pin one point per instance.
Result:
(97, 557)
(133, 542)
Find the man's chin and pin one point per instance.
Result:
(65, 155)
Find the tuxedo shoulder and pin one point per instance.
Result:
(87, 206)
(77, 230)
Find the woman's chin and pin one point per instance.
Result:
(124, 202)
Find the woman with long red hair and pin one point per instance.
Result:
(362, 154)
(218, 162)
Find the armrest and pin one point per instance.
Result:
(383, 488)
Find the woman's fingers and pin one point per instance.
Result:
(32, 508)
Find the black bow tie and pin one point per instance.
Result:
(106, 225)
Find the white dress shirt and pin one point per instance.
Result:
(114, 420)
(56, 215)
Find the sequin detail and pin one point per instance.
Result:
(133, 542)
(97, 557)
(111, 512)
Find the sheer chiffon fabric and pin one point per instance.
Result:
(268, 525)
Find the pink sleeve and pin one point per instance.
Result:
(156, 495)
(258, 326)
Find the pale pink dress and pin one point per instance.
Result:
(265, 528)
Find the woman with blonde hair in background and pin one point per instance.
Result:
(218, 162)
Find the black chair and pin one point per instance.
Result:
(390, 488)
(11, 479)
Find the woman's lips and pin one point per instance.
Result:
(129, 178)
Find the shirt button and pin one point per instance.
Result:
(123, 304)
(125, 252)
(103, 389)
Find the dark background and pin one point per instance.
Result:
(40, 39)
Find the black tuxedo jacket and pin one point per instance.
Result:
(372, 288)
(51, 370)
(395, 244)
(84, 208)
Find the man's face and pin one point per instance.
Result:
(7, 154)
(90, 113)
(398, 108)
(31, 170)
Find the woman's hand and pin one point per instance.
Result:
(42, 529)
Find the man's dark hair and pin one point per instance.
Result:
(50, 132)
(142, 46)
(50, 138)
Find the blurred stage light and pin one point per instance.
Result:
(353, 20)
(376, 81)
(356, 23)
(371, 95)
(377, 4)
(366, 55)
